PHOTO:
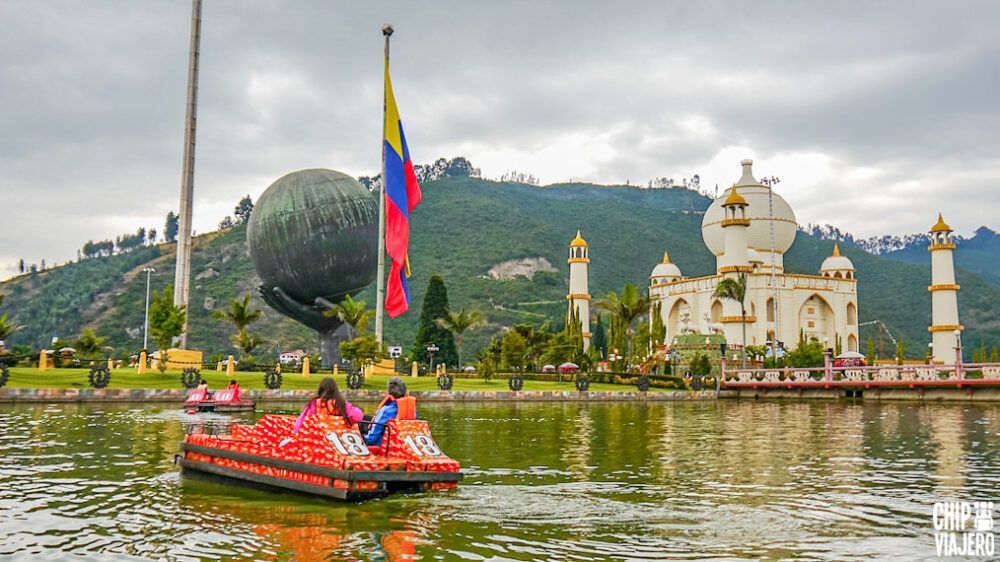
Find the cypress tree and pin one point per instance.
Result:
(600, 341)
(657, 328)
(434, 307)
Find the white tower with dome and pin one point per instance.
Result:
(945, 329)
(579, 285)
(737, 229)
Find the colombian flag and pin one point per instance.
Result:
(402, 194)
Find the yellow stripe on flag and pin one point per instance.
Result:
(391, 116)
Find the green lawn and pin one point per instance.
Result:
(24, 377)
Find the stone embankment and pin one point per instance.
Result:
(176, 395)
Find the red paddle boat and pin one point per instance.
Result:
(327, 457)
(226, 400)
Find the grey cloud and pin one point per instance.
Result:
(92, 103)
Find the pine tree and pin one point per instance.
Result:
(430, 332)
(994, 355)
(243, 209)
(658, 329)
(170, 228)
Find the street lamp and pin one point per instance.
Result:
(145, 330)
(431, 350)
(958, 348)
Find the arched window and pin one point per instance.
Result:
(716, 312)
(852, 314)
(770, 310)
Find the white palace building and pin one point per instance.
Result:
(748, 229)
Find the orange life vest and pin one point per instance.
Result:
(406, 407)
(327, 408)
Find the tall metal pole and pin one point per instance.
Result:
(182, 274)
(774, 266)
(380, 282)
(145, 329)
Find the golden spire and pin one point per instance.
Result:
(941, 226)
(666, 257)
(836, 249)
(578, 242)
(734, 199)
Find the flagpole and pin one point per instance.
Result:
(380, 282)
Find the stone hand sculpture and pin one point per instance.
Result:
(313, 239)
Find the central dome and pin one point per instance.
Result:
(759, 233)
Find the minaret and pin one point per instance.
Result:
(579, 286)
(734, 228)
(944, 329)
(734, 260)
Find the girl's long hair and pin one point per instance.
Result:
(327, 393)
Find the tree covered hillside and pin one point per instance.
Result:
(464, 228)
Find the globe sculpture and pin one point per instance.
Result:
(313, 238)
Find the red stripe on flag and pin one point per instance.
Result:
(397, 299)
(397, 231)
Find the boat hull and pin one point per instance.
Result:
(212, 406)
(288, 475)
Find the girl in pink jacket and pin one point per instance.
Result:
(329, 401)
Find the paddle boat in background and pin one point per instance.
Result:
(326, 457)
(225, 400)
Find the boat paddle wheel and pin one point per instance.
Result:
(326, 457)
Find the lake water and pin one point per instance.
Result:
(730, 480)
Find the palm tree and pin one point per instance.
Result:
(239, 314)
(89, 343)
(458, 323)
(626, 309)
(735, 290)
(354, 313)
(246, 342)
(7, 328)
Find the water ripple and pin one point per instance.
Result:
(635, 482)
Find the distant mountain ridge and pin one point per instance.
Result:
(978, 253)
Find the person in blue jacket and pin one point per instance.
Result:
(395, 405)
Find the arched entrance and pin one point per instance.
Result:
(680, 320)
(816, 320)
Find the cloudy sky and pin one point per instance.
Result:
(875, 115)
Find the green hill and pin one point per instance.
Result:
(464, 228)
